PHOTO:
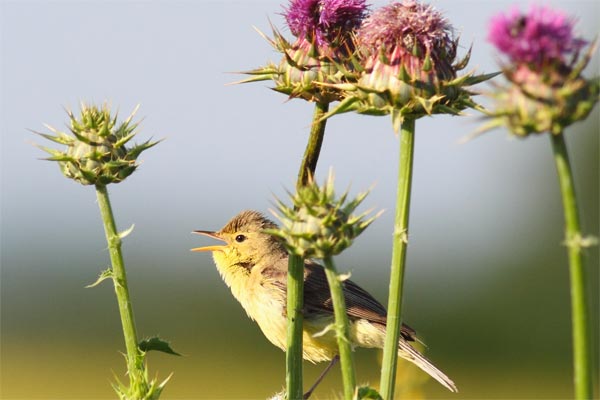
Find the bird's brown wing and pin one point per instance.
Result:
(359, 303)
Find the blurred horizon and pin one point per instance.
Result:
(487, 276)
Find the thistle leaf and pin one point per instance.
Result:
(157, 344)
(106, 274)
(367, 393)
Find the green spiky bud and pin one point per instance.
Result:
(318, 224)
(97, 151)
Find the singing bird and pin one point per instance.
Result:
(254, 265)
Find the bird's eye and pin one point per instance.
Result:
(240, 238)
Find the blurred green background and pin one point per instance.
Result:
(487, 283)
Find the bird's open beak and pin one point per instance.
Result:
(211, 234)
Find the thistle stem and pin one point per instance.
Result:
(313, 148)
(295, 280)
(342, 329)
(295, 318)
(394, 315)
(579, 303)
(134, 357)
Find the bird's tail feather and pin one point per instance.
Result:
(406, 351)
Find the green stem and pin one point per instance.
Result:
(295, 301)
(394, 316)
(295, 280)
(134, 357)
(579, 304)
(313, 148)
(342, 329)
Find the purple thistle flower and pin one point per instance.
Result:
(413, 37)
(410, 25)
(546, 91)
(539, 37)
(406, 50)
(323, 50)
(325, 22)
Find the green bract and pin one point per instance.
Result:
(302, 71)
(546, 100)
(319, 225)
(96, 152)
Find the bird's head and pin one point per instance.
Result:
(246, 242)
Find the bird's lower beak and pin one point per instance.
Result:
(214, 235)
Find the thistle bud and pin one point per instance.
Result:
(320, 225)
(324, 30)
(96, 153)
(546, 91)
(406, 52)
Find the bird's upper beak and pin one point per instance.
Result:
(211, 234)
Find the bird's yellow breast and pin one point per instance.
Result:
(265, 303)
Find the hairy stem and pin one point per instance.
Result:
(313, 147)
(134, 357)
(342, 328)
(394, 315)
(295, 280)
(295, 301)
(579, 303)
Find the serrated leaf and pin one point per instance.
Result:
(106, 274)
(157, 344)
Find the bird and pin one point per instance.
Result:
(253, 264)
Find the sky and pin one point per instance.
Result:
(227, 148)
(231, 147)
